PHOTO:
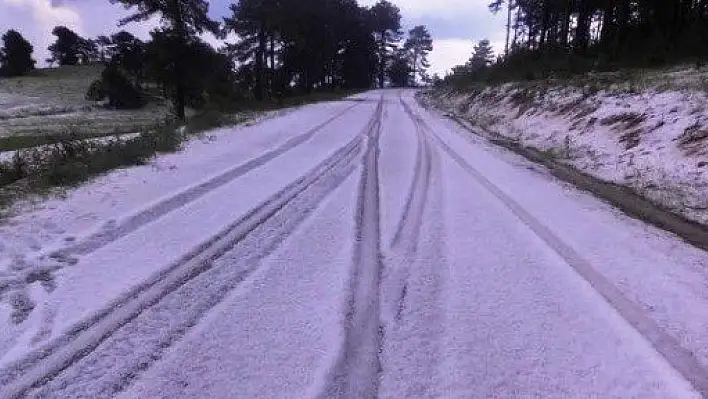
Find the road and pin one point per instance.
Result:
(394, 257)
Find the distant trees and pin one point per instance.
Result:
(71, 49)
(15, 54)
(419, 44)
(482, 55)
(552, 37)
(386, 23)
(103, 44)
(283, 47)
(128, 51)
(303, 45)
(400, 71)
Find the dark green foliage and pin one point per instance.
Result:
(96, 91)
(211, 76)
(15, 54)
(121, 92)
(128, 52)
(418, 45)
(71, 49)
(400, 71)
(184, 19)
(386, 23)
(482, 56)
(547, 39)
(287, 47)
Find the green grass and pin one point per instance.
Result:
(63, 85)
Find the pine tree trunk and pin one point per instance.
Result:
(382, 59)
(582, 31)
(181, 94)
(608, 24)
(509, 8)
(260, 61)
(272, 63)
(565, 27)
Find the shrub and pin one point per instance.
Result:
(121, 92)
(96, 91)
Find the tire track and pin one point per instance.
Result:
(414, 278)
(410, 223)
(670, 348)
(111, 232)
(253, 237)
(356, 371)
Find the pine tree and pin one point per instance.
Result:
(67, 49)
(184, 19)
(386, 23)
(482, 56)
(419, 44)
(15, 54)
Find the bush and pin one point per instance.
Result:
(121, 92)
(96, 91)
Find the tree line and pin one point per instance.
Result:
(546, 38)
(283, 48)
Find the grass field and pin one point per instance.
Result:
(49, 103)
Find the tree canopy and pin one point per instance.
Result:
(386, 24)
(304, 45)
(419, 44)
(15, 54)
(282, 48)
(183, 19)
(70, 48)
(551, 37)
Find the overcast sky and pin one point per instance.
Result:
(454, 24)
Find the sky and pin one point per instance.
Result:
(454, 24)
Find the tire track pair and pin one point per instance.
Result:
(356, 370)
(408, 231)
(414, 277)
(681, 359)
(112, 232)
(64, 364)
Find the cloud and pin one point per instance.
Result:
(35, 19)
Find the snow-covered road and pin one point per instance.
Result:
(357, 249)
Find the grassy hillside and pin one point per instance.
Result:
(50, 103)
